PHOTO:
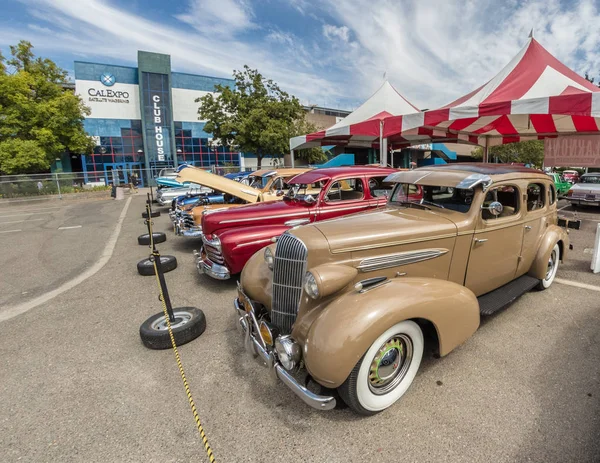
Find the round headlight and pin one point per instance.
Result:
(288, 352)
(269, 258)
(310, 285)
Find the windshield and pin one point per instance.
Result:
(299, 191)
(258, 182)
(432, 197)
(590, 179)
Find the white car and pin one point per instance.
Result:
(586, 192)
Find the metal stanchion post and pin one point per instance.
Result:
(58, 186)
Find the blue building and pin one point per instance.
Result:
(145, 118)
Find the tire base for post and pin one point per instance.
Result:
(154, 214)
(190, 323)
(158, 237)
(146, 266)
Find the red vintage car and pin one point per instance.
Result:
(232, 236)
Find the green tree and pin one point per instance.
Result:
(528, 152)
(309, 155)
(255, 116)
(591, 80)
(39, 119)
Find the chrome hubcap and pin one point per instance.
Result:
(551, 265)
(181, 318)
(390, 364)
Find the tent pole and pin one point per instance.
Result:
(485, 150)
(381, 160)
(292, 157)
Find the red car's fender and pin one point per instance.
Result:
(239, 244)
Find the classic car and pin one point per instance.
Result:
(164, 196)
(586, 192)
(571, 176)
(189, 221)
(561, 185)
(346, 303)
(231, 236)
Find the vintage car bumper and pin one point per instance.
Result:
(248, 324)
(210, 268)
(585, 202)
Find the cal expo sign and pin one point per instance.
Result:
(108, 98)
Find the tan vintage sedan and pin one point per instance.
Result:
(347, 302)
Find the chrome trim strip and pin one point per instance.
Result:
(266, 240)
(394, 243)
(296, 222)
(250, 219)
(400, 258)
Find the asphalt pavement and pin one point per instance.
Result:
(76, 384)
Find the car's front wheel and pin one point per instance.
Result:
(551, 269)
(386, 371)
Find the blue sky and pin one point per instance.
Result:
(327, 52)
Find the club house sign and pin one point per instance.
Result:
(158, 127)
(107, 95)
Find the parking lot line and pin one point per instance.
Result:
(68, 228)
(10, 231)
(19, 221)
(577, 284)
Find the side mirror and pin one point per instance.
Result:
(495, 208)
(279, 192)
(309, 199)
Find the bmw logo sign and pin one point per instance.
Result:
(108, 79)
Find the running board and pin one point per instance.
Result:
(496, 300)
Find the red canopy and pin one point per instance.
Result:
(533, 97)
(362, 126)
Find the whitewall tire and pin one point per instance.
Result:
(386, 371)
(551, 269)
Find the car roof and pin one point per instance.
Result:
(483, 168)
(337, 172)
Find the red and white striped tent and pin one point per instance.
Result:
(362, 127)
(533, 97)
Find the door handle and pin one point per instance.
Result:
(527, 227)
(480, 240)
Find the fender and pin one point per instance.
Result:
(239, 244)
(553, 235)
(348, 326)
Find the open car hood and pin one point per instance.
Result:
(218, 183)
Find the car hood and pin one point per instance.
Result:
(218, 183)
(384, 227)
(267, 213)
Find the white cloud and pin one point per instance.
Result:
(334, 32)
(218, 16)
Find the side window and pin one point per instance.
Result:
(552, 194)
(345, 190)
(507, 195)
(536, 195)
(379, 189)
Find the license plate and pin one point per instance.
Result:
(590, 197)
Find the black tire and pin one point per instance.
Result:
(154, 214)
(146, 266)
(158, 237)
(155, 334)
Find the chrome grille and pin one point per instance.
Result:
(213, 252)
(188, 219)
(289, 267)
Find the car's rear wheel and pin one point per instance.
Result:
(551, 268)
(386, 371)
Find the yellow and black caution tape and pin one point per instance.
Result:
(209, 451)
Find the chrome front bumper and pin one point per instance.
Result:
(208, 267)
(248, 324)
(585, 202)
